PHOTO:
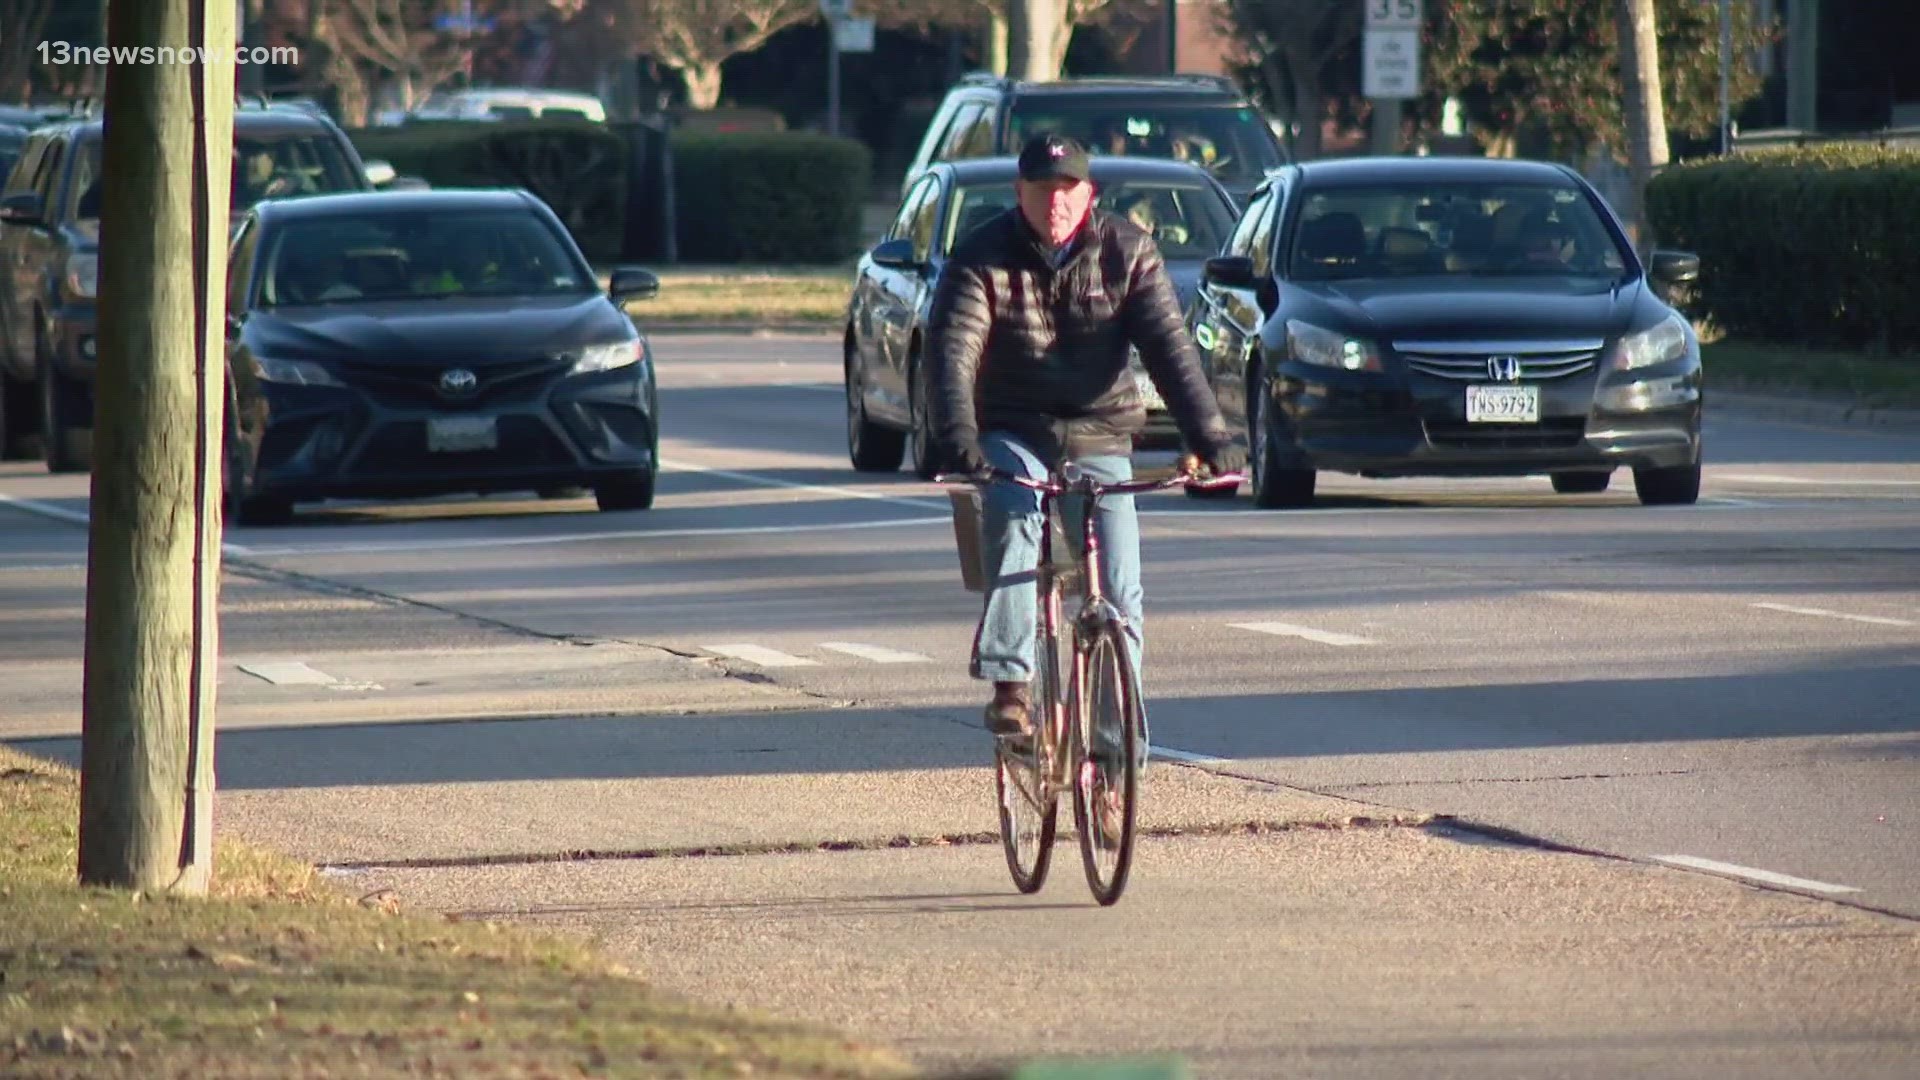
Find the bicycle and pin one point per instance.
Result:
(1065, 750)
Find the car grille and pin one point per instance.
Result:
(1558, 433)
(399, 449)
(509, 383)
(1471, 361)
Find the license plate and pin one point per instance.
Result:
(1503, 404)
(461, 434)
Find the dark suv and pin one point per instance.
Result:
(49, 242)
(1202, 119)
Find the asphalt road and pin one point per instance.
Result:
(1714, 707)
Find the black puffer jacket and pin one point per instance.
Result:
(1018, 346)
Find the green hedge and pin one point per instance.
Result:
(761, 197)
(1806, 245)
(770, 197)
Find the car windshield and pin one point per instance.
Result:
(418, 255)
(1188, 221)
(276, 166)
(1232, 143)
(1445, 230)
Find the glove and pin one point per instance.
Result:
(967, 459)
(1225, 458)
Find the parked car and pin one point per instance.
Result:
(1449, 317)
(1201, 119)
(49, 241)
(412, 343)
(13, 139)
(1188, 211)
(505, 103)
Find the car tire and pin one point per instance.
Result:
(633, 491)
(17, 440)
(927, 461)
(1277, 484)
(871, 447)
(1582, 483)
(1677, 486)
(56, 435)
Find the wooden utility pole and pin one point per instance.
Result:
(153, 561)
(1645, 112)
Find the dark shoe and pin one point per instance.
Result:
(1011, 711)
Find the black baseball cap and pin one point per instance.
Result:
(1053, 157)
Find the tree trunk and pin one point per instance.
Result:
(997, 43)
(1645, 114)
(149, 576)
(1030, 29)
(703, 84)
(1309, 113)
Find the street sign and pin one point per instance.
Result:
(853, 35)
(1394, 14)
(1391, 67)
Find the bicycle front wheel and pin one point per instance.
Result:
(1023, 773)
(1110, 747)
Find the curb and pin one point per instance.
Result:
(1761, 406)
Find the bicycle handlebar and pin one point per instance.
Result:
(1183, 478)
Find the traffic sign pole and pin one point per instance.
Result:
(1390, 65)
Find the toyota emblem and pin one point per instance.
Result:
(1503, 368)
(458, 382)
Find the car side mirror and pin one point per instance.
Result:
(896, 254)
(1676, 267)
(380, 173)
(1231, 272)
(21, 207)
(632, 283)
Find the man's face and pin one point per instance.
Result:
(1055, 208)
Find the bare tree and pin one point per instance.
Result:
(20, 23)
(695, 37)
(1288, 45)
(1027, 38)
(1646, 116)
(397, 38)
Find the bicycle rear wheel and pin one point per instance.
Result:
(1109, 750)
(1023, 771)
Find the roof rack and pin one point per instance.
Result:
(984, 78)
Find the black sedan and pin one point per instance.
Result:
(1183, 206)
(1449, 317)
(404, 344)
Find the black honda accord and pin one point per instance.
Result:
(412, 343)
(1449, 317)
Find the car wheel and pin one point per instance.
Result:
(871, 448)
(633, 491)
(17, 442)
(926, 460)
(1581, 483)
(1677, 486)
(56, 435)
(1276, 484)
(263, 511)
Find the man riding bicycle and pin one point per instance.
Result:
(1030, 334)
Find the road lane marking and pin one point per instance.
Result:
(468, 543)
(81, 517)
(764, 657)
(1771, 478)
(1829, 614)
(1324, 637)
(795, 485)
(876, 653)
(1751, 874)
(286, 673)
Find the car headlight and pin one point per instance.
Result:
(617, 354)
(82, 278)
(1667, 341)
(1143, 382)
(1326, 348)
(293, 372)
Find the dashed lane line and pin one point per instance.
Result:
(1826, 613)
(1324, 637)
(1769, 877)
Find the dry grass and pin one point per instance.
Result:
(280, 975)
(756, 295)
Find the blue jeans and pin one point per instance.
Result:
(1010, 527)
